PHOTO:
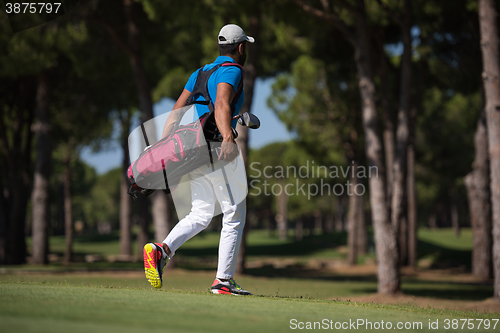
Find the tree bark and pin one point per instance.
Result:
(299, 229)
(362, 241)
(411, 190)
(339, 214)
(171, 222)
(68, 213)
(388, 134)
(403, 242)
(159, 206)
(491, 81)
(15, 184)
(125, 199)
(478, 193)
(160, 215)
(353, 218)
(137, 65)
(412, 206)
(398, 205)
(385, 236)
(455, 222)
(144, 218)
(40, 196)
(281, 216)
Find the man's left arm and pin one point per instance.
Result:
(223, 117)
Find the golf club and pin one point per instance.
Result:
(248, 119)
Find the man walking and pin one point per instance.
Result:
(219, 81)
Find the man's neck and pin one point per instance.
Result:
(234, 57)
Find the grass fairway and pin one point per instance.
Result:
(109, 297)
(101, 303)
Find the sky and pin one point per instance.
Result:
(271, 129)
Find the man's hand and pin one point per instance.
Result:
(229, 150)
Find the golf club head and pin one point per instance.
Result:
(250, 120)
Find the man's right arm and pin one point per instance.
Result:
(172, 117)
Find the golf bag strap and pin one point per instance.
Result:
(201, 86)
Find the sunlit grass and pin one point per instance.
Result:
(103, 303)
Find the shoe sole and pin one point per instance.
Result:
(222, 292)
(149, 264)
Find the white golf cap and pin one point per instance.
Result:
(231, 34)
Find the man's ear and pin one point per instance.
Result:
(242, 48)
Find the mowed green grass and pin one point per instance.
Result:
(322, 287)
(103, 303)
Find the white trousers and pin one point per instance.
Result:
(206, 188)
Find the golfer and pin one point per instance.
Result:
(207, 186)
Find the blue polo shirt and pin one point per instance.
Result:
(228, 74)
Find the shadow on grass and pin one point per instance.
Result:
(443, 257)
(410, 286)
(454, 291)
(305, 247)
(298, 271)
(444, 290)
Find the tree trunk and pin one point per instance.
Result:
(137, 65)
(68, 213)
(160, 215)
(362, 235)
(411, 190)
(385, 237)
(125, 217)
(159, 209)
(40, 196)
(412, 207)
(144, 217)
(433, 220)
(330, 223)
(478, 193)
(388, 134)
(242, 140)
(299, 230)
(403, 242)
(125, 199)
(455, 222)
(15, 184)
(491, 81)
(339, 215)
(398, 205)
(353, 218)
(281, 216)
(171, 222)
